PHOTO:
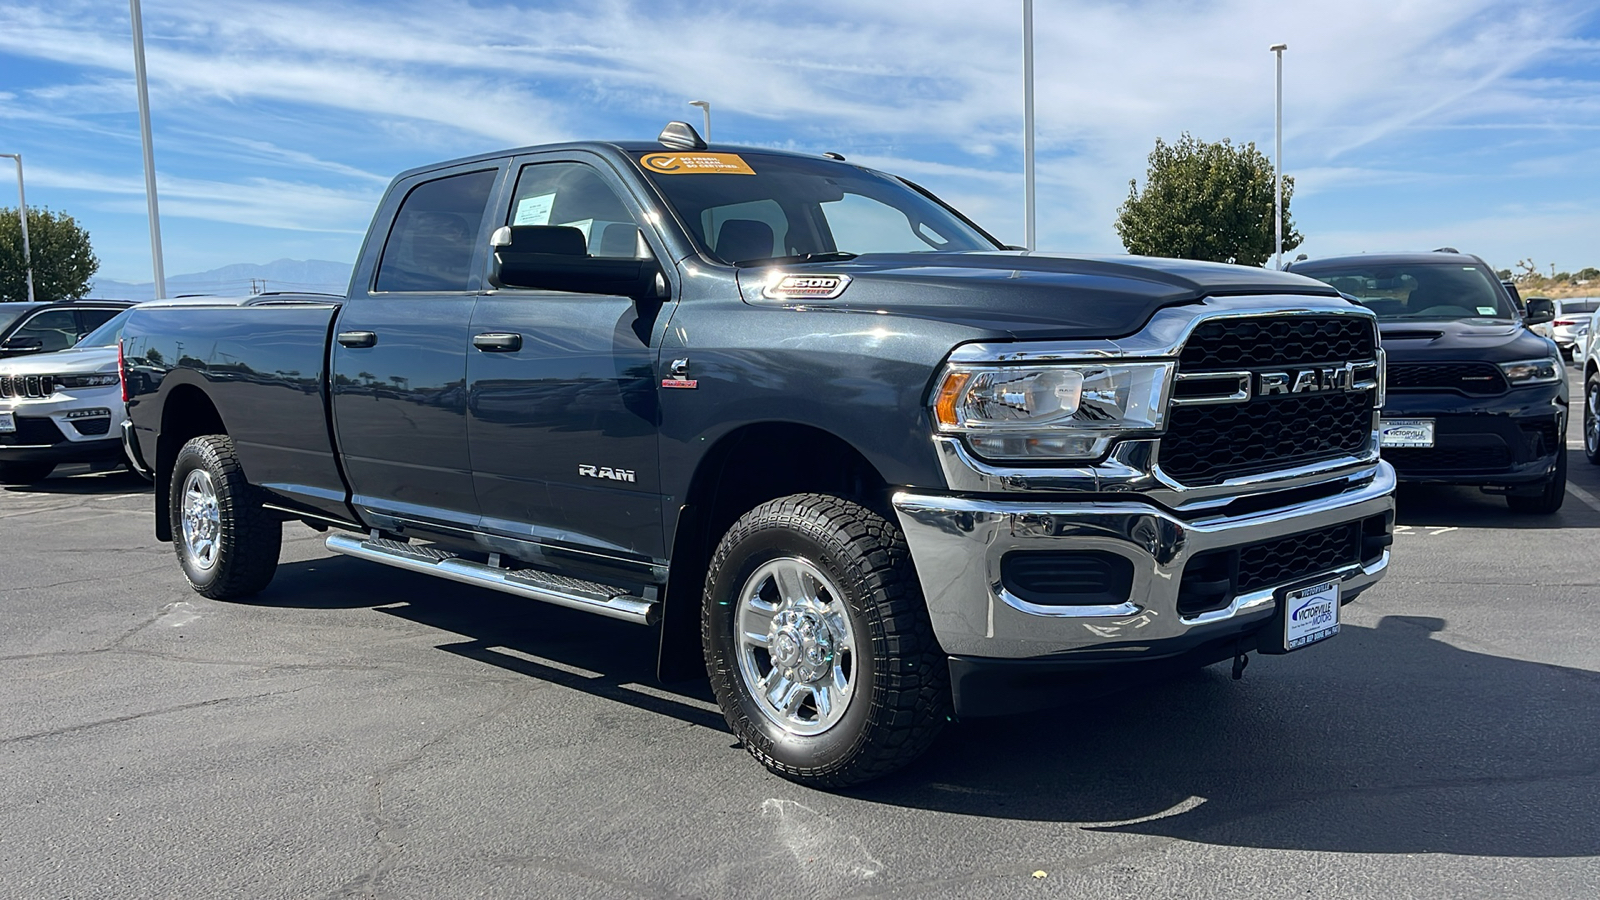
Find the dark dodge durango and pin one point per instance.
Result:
(1473, 396)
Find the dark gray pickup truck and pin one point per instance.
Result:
(851, 456)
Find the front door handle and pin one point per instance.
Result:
(357, 339)
(497, 342)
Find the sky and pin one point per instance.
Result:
(1408, 124)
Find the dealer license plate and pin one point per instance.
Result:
(1405, 433)
(1310, 614)
(8, 422)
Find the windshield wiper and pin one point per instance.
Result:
(829, 256)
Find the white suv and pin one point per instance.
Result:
(1572, 317)
(62, 407)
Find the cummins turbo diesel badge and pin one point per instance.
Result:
(696, 164)
(805, 287)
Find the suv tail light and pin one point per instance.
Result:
(1565, 322)
(122, 372)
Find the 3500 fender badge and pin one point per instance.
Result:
(805, 287)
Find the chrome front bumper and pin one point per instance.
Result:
(957, 544)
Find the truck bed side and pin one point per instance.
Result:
(255, 370)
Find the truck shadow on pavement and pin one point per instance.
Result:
(1383, 740)
(1386, 740)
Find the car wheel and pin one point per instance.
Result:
(1548, 500)
(1591, 419)
(227, 543)
(25, 472)
(818, 644)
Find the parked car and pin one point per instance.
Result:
(1571, 320)
(1590, 364)
(1474, 396)
(62, 407)
(860, 464)
(48, 327)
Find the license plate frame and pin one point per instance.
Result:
(8, 422)
(1309, 612)
(1406, 433)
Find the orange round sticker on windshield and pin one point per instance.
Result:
(696, 164)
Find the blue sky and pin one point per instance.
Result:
(1409, 124)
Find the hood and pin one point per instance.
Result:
(77, 361)
(1490, 340)
(1031, 295)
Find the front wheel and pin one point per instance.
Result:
(1591, 419)
(818, 644)
(1548, 500)
(227, 543)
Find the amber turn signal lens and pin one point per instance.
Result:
(944, 409)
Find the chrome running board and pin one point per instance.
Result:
(531, 584)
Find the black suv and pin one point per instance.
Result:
(47, 327)
(1473, 396)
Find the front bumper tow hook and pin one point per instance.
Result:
(1239, 663)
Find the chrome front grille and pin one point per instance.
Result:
(35, 387)
(1211, 443)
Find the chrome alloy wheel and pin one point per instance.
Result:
(1591, 420)
(202, 522)
(797, 651)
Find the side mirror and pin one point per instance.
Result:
(1540, 311)
(19, 346)
(556, 258)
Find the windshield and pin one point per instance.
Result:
(106, 335)
(1420, 290)
(758, 209)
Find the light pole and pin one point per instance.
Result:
(22, 216)
(1027, 125)
(149, 149)
(705, 106)
(1277, 162)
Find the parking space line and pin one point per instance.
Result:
(1588, 499)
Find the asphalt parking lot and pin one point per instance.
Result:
(360, 731)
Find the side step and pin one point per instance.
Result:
(572, 593)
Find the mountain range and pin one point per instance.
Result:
(240, 279)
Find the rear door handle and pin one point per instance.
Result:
(357, 339)
(497, 342)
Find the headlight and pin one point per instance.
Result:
(1068, 411)
(1533, 371)
(83, 381)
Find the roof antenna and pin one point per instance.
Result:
(681, 136)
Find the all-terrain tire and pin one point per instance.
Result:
(899, 695)
(229, 546)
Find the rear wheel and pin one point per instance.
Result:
(25, 472)
(1549, 500)
(818, 644)
(227, 543)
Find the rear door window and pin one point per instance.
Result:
(90, 319)
(431, 244)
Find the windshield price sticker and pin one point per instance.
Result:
(1310, 614)
(8, 422)
(1405, 433)
(696, 164)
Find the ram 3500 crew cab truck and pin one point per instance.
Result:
(862, 463)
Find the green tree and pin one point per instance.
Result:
(1503, 274)
(63, 262)
(1588, 273)
(1205, 201)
